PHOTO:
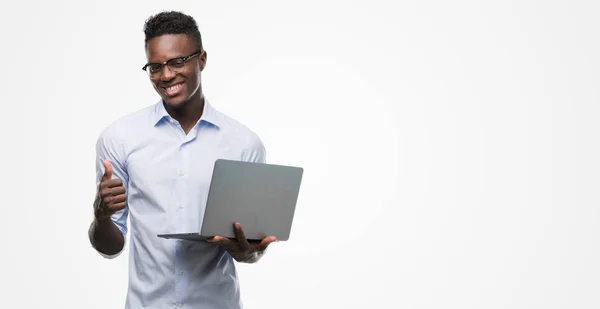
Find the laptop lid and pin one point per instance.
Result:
(261, 197)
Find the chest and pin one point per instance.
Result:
(163, 161)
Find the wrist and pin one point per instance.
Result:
(246, 257)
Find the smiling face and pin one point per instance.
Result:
(179, 81)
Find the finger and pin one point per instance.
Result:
(107, 170)
(222, 242)
(111, 183)
(241, 237)
(262, 246)
(116, 207)
(106, 192)
(116, 199)
(117, 190)
(216, 239)
(107, 210)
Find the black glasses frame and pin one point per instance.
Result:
(162, 64)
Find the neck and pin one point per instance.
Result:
(188, 112)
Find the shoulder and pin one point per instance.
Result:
(246, 141)
(238, 131)
(128, 124)
(116, 134)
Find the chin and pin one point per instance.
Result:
(175, 102)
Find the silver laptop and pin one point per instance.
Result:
(261, 197)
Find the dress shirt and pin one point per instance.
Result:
(166, 174)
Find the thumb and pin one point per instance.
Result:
(107, 170)
(266, 242)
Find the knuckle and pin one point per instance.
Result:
(104, 192)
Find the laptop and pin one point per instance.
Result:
(261, 197)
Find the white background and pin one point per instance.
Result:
(450, 147)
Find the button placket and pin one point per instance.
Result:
(180, 280)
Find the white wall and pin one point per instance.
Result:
(450, 147)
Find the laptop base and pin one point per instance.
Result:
(196, 237)
(184, 236)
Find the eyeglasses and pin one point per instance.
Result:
(175, 65)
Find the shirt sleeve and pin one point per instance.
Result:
(108, 148)
(256, 151)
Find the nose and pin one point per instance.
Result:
(167, 74)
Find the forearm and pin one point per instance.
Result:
(106, 237)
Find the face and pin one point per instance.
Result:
(179, 83)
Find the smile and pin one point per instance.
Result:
(173, 90)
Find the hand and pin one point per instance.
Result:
(240, 248)
(111, 195)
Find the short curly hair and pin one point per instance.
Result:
(172, 22)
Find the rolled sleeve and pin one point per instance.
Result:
(109, 148)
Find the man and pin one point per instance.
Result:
(154, 167)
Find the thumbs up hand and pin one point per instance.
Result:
(111, 195)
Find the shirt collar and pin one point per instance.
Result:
(209, 114)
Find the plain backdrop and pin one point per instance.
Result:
(450, 148)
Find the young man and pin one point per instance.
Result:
(154, 167)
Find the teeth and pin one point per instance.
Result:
(174, 88)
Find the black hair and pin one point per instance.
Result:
(172, 22)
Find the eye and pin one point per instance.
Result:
(155, 68)
(176, 63)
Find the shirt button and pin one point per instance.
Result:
(180, 305)
(181, 273)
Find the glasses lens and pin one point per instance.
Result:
(176, 65)
(154, 69)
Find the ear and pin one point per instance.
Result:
(202, 58)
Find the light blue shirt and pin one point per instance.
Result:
(166, 174)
